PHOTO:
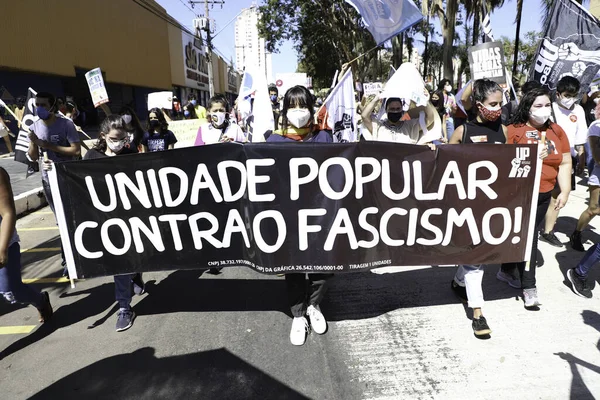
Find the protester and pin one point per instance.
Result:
(305, 291)
(134, 129)
(593, 208)
(578, 276)
(275, 105)
(571, 118)
(113, 141)
(437, 100)
(445, 86)
(532, 124)
(158, 137)
(20, 110)
(200, 111)
(394, 128)
(509, 109)
(177, 110)
(219, 129)
(57, 138)
(12, 287)
(485, 128)
(189, 111)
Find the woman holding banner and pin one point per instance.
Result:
(531, 124)
(485, 128)
(304, 294)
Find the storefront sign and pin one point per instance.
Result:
(195, 63)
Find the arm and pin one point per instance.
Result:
(366, 114)
(8, 214)
(74, 150)
(466, 97)
(33, 151)
(457, 135)
(144, 148)
(430, 113)
(564, 181)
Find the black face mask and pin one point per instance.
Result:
(394, 116)
(154, 123)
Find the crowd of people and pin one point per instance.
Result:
(482, 114)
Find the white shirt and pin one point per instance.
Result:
(404, 132)
(573, 123)
(211, 135)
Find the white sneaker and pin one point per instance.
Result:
(530, 297)
(317, 320)
(299, 330)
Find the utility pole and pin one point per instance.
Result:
(211, 83)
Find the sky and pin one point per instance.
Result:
(286, 60)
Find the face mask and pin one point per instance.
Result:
(539, 116)
(273, 98)
(298, 117)
(218, 118)
(194, 102)
(597, 100)
(567, 102)
(490, 114)
(43, 113)
(394, 116)
(448, 88)
(126, 118)
(154, 123)
(186, 113)
(116, 147)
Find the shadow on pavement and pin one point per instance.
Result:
(579, 390)
(214, 374)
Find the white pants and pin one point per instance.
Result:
(470, 277)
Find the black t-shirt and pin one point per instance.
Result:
(477, 132)
(93, 154)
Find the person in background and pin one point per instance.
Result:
(275, 104)
(200, 111)
(71, 112)
(305, 291)
(4, 134)
(510, 108)
(485, 128)
(189, 111)
(437, 100)
(445, 87)
(12, 287)
(112, 141)
(571, 118)
(593, 208)
(532, 125)
(57, 138)
(177, 110)
(20, 110)
(158, 137)
(134, 129)
(219, 129)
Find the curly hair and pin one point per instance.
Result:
(523, 111)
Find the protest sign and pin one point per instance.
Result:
(570, 46)
(160, 100)
(387, 18)
(185, 131)
(22, 144)
(372, 88)
(487, 61)
(281, 208)
(97, 89)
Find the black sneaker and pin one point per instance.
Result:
(125, 319)
(459, 291)
(551, 238)
(480, 326)
(46, 309)
(139, 286)
(575, 240)
(578, 284)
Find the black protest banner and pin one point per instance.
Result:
(22, 144)
(487, 61)
(297, 207)
(570, 46)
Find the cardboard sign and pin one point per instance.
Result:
(160, 100)
(372, 88)
(97, 89)
(185, 131)
(487, 61)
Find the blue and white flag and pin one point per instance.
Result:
(387, 18)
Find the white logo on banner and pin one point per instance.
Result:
(520, 164)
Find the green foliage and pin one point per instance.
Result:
(527, 51)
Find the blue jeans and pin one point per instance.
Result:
(12, 287)
(589, 159)
(449, 127)
(588, 261)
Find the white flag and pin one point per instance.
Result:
(261, 120)
(341, 110)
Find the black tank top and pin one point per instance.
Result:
(477, 132)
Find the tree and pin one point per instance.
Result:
(326, 34)
(526, 54)
(447, 16)
(474, 9)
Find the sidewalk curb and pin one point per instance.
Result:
(30, 201)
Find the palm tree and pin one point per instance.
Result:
(474, 8)
(447, 17)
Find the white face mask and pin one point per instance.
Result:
(126, 118)
(218, 118)
(448, 88)
(298, 117)
(539, 116)
(597, 100)
(116, 147)
(567, 102)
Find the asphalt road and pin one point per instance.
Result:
(395, 334)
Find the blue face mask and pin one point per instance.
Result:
(274, 98)
(42, 113)
(186, 113)
(194, 102)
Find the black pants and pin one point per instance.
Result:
(528, 277)
(303, 292)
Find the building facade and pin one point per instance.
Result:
(250, 48)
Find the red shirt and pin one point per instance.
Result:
(558, 144)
